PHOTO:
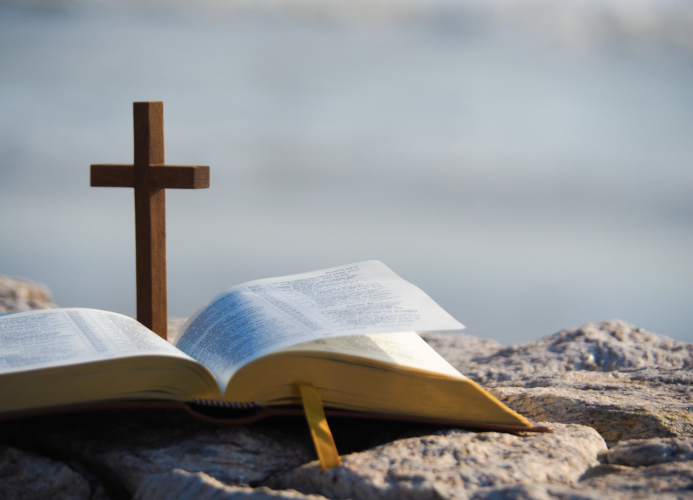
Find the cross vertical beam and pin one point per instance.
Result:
(150, 217)
(150, 177)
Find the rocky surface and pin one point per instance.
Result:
(124, 451)
(19, 294)
(454, 464)
(672, 480)
(183, 485)
(617, 408)
(604, 384)
(621, 380)
(605, 347)
(25, 475)
(644, 452)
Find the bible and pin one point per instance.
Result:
(347, 331)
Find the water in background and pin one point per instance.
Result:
(529, 173)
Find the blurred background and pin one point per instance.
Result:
(527, 163)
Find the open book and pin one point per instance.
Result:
(348, 331)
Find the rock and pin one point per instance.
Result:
(621, 380)
(26, 476)
(604, 470)
(19, 294)
(453, 464)
(631, 386)
(603, 347)
(558, 492)
(125, 449)
(185, 486)
(617, 413)
(462, 350)
(675, 478)
(99, 490)
(530, 492)
(643, 452)
(671, 480)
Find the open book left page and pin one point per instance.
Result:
(61, 356)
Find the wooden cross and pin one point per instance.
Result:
(150, 177)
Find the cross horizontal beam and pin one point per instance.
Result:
(165, 176)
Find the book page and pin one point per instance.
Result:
(259, 317)
(402, 349)
(58, 337)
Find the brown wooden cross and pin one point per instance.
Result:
(150, 177)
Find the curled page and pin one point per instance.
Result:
(253, 319)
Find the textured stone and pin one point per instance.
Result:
(621, 380)
(99, 491)
(453, 464)
(643, 452)
(531, 492)
(603, 347)
(558, 492)
(674, 478)
(19, 294)
(185, 486)
(462, 350)
(124, 450)
(629, 412)
(26, 476)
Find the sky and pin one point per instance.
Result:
(528, 167)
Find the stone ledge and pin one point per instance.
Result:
(604, 383)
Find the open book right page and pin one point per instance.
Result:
(257, 318)
(399, 350)
(383, 373)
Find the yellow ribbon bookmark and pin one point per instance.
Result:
(322, 437)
